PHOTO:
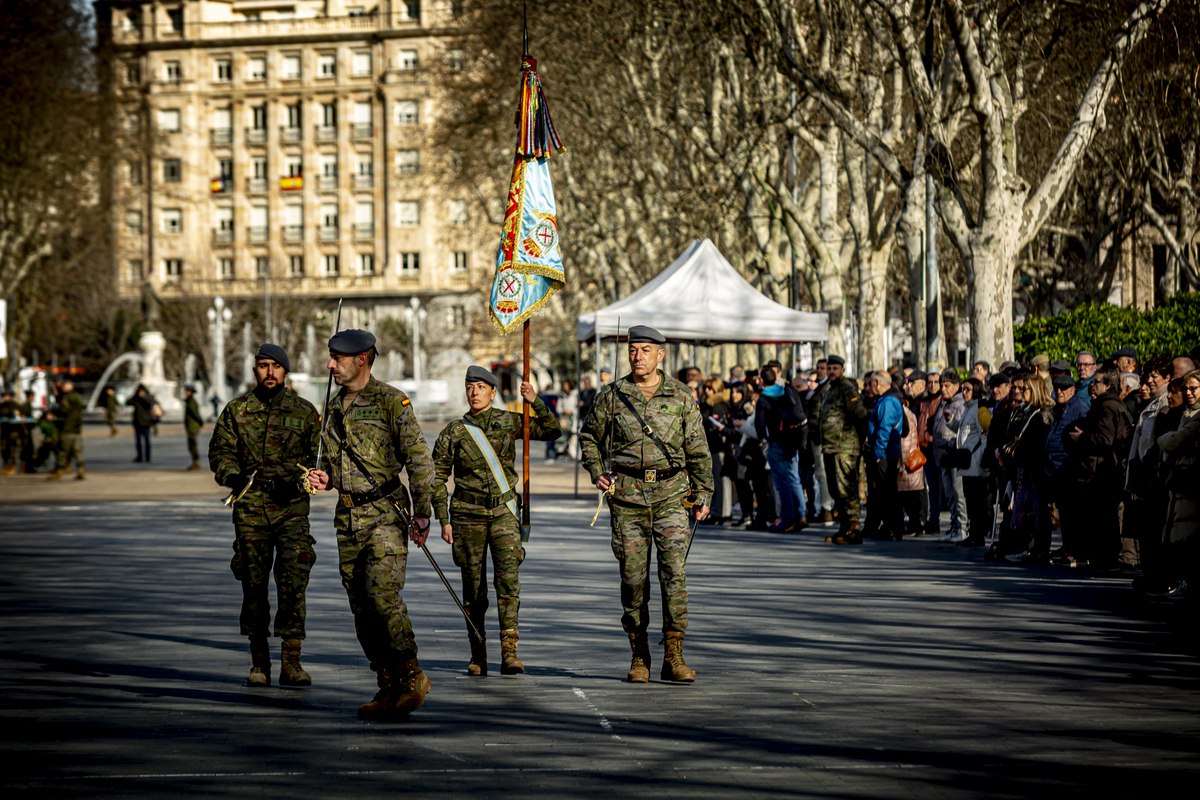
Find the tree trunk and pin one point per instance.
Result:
(989, 264)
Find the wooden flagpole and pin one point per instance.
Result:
(525, 439)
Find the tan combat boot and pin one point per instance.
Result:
(478, 665)
(673, 668)
(9, 469)
(411, 687)
(260, 658)
(385, 698)
(80, 476)
(639, 667)
(195, 465)
(290, 671)
(56, 475)
(509, 663)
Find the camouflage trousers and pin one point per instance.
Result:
(474, 536)
(841, 471)
(193, 450)
(372, 563)
(288, 546)
(111, 421)
(634, 528)
(70, 447)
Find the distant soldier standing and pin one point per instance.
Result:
(192, 423)
(266, 439)
(650, 428)
(842, 420)
(372, 436)
(110, 409)
(70, 447)
(480, 450)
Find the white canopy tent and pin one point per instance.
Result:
(702, 299)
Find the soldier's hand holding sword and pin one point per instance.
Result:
(419, 531)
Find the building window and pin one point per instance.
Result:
(329, 115)
(222, 70)
(172, 220)
(259, 232)
(458, 262)
(262, 267)
(457, 316)
(225, 269)
(133, 124)
(356, 11)
(454, 59)
(326, 65)
(172, 170)
(295, 166)
(295, 117)
(458, 212)
(406, 112)
(296, 266)
(133, 222)
(410, 263)
(224, 230)
(293, 229)
(169, 120)
(172, 268)
(257, 68)
(414, 9)
(133, 20)
(406, 59)
(408, 213)
(258, 117)
(456, 8)
(175, 18)
(366, 263)
(136, 271)
(133, 73)
(329, 218)
(135, 173)
(225, 168)
(329, 263)
(172, 72)
(362, 63)
(408, 162)
(291, 67)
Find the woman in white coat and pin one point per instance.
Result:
(971, 429)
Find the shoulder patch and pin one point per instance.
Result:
(366, 413)
(293, 422)
(405, 402)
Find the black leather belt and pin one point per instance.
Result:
(275, 485)
(356, 499)
(648, 475)
(483, 498)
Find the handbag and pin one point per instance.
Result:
(915, 461)
(1009, 450)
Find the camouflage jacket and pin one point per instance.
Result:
(382, 429)
(192, 420)
(110, 406)
(274, 439)
(843, 416)
(455, 451)
(611, 431)
(70, 411)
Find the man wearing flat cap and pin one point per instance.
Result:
(261, 448)
(648, 429)
(483, 514)
(1126, 359)
(371, 436)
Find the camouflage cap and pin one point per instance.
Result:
(351, 342)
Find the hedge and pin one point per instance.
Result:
(1172, 329)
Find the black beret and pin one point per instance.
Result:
(189, 388)
(644, 333)
(477, 373)
(1063, 382)
(351, 342)
(1125, 352)
(1060, 365)
(837, 360)
(6, 391)
(276, 354)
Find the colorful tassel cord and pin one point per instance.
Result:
(537, 133)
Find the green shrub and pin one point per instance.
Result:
(1170, 330)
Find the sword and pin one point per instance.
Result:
(337, 326)
(692, 505)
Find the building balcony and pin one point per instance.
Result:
(259, 234)
(222, 236)
(364, 231)
(256, 135)
(327, 233)
(221, 185)
(326, 133)
(293, 233)
(361, 131)
(291, 135)
(327, 183)
(221, 137)
(256, 185)
(362, 182)
(248, 29)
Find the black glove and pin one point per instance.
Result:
(237, 482)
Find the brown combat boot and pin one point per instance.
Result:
(195, 465)
(80, 476)
(411, 687)
(639, 667)
(56, 475)
(260, 657)
(290, 671)
(673, 668)
(509, 663)
(9, 469)
(478, 665)
(826, 517)
(385, 698)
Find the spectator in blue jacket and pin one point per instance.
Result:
(885, 429)
(1069, 407)
(1085, 362)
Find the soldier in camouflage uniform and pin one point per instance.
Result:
(480, 513)
(70, 447)
(376, 422)
(272, 433)
(650, 473)
(110, 409)
(842, 418)
(192, 423)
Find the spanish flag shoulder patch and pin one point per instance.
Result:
(406, 402)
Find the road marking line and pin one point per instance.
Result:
(604, 723)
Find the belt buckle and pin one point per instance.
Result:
(651, 475)
(348, 500)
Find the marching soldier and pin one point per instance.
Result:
(842, 419)
(110, 409)
(260, 447)
(480, 450)
(70, 448)
(372, 436)
(650, 429)
(192, 423)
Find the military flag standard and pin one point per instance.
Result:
(529, 267)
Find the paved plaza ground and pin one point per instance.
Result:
(905, 669)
